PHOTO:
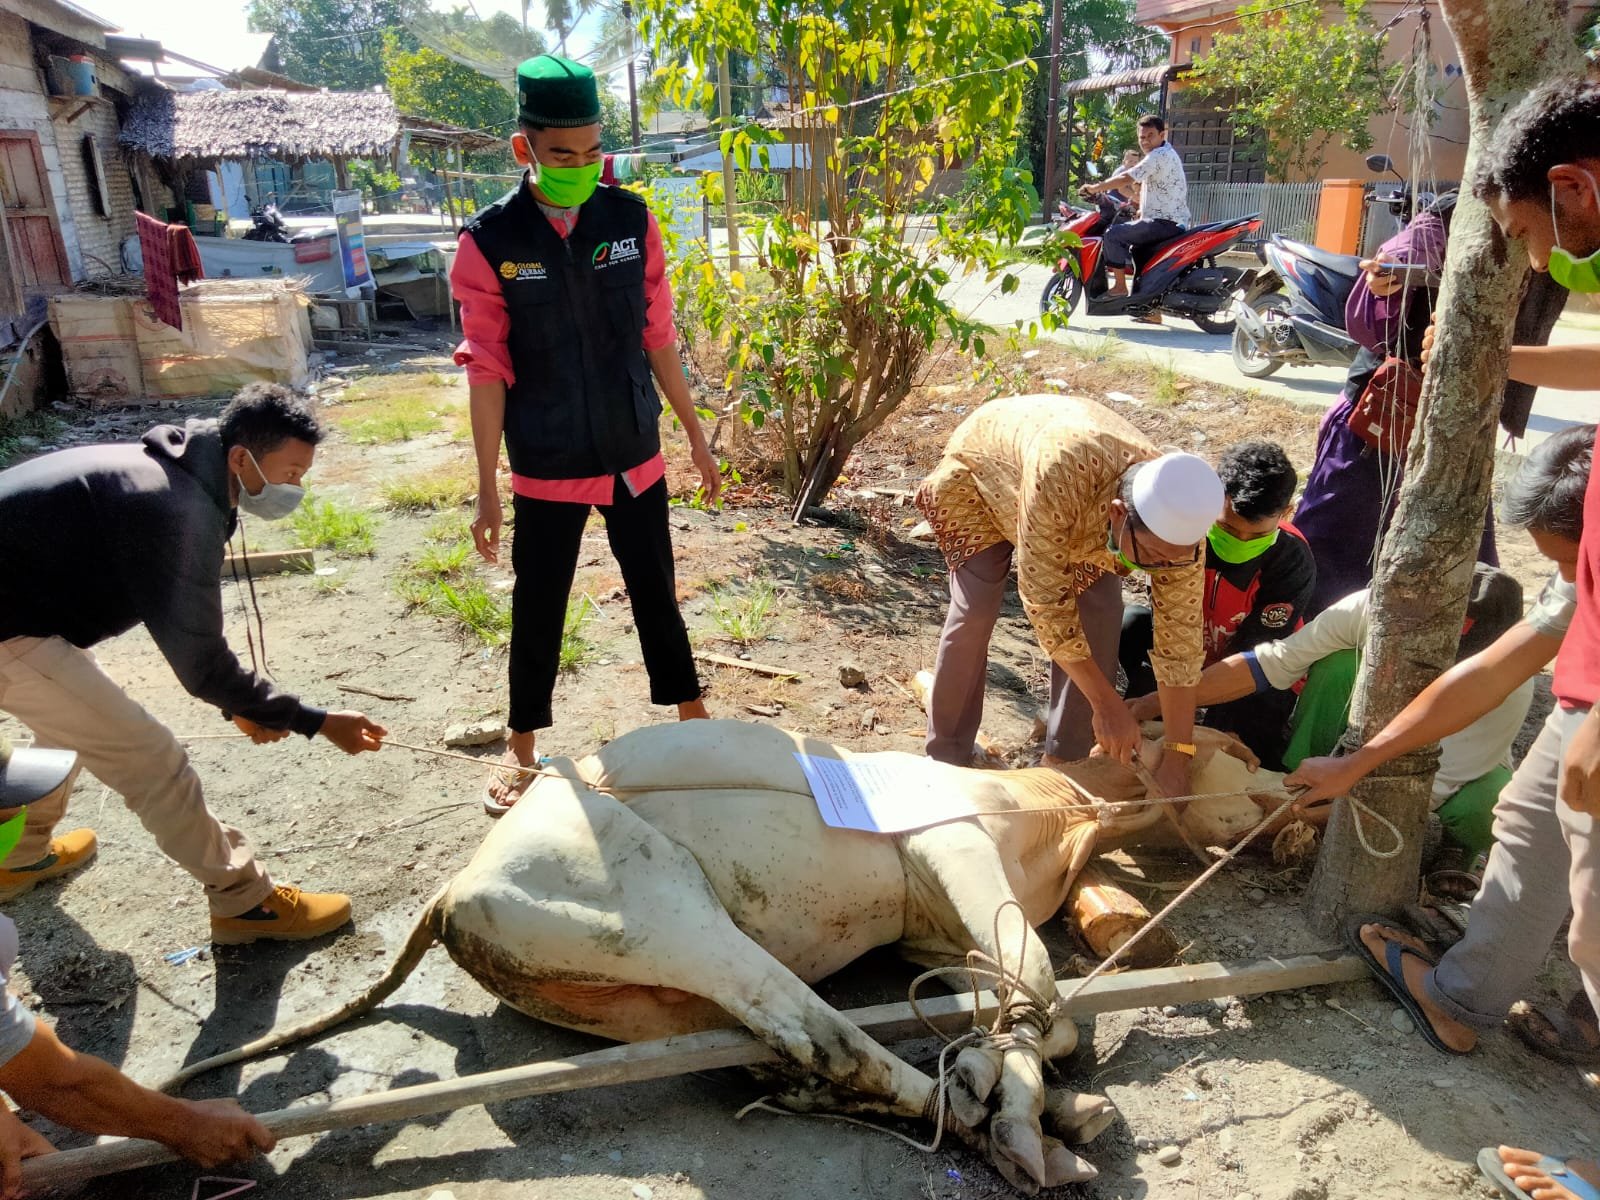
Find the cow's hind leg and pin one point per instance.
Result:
(581, 888)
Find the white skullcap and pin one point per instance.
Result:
(1177, 497)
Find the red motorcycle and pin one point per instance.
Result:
(1180, 277)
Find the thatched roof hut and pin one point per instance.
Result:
(261, 124)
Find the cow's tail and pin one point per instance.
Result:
(421, 938)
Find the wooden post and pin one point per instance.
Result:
(1425, 565)
(1052, 118)
(719, 1048)
(725, 96)
(341, 172)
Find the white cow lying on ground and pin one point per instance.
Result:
(681, 879)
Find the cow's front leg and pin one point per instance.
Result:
(968, 900)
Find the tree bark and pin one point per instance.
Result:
(1425, 565)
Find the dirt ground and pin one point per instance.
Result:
(1277, 1098)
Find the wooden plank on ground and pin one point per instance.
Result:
(269, 562)
(745, 664)
(709, 1051)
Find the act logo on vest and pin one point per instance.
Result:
(514, 271)
(608, 254)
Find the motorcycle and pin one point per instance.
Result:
(267, 225)
(1180, 276)
(1293, 312)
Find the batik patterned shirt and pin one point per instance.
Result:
(1039, 473)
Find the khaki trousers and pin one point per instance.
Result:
(61, 694)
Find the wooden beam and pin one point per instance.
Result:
(269, 562)
(745, 664)
(710, 1051)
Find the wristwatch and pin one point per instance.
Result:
(1181, 747)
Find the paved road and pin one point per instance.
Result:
(1208, 357)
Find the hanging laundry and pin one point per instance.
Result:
(170, 257)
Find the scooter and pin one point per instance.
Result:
(267, 225)
(1179, 276)
(1293, 313)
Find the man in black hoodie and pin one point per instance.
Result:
(96, 540)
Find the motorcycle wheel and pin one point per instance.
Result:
(1061, 294)
(1247, 356)
(1212, 323)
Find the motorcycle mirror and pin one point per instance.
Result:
(1379, 163)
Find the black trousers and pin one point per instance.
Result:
(1260, 721)
(1122, 240)
(544, 555)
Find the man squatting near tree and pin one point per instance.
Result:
(1260, 574)
(566, 314)
(1540, 175)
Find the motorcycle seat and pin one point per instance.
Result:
(1347, 265)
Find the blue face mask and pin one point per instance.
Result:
(274, 501)
(1574, 274)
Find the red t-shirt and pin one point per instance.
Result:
(1577, 679)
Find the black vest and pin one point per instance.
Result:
(583, 403)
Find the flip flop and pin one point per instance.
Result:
(492, 806)
(1391, 972)
(1556, 1033)
(1556, 1168)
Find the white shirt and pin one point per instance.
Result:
(1163, 190)
(1464, 756)
(16, 1022)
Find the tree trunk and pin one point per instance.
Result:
(1425, 566)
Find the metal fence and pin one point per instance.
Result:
(1286, 208)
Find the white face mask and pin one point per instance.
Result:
(274, 501)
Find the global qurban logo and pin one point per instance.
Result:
(522, 270)
(608, 254)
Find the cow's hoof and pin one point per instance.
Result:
(1017, 1148)
(972, 1079)
(1062, 1166)
(1078, 1117)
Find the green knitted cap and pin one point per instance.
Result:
(557, 93)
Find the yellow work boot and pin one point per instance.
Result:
(67, 853)
(288, 915)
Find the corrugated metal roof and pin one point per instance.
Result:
(1140, 77)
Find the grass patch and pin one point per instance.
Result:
(745, 614)
(328, 525)
(434, 491)
(1165, 389)
(448, 527)
(445, 562)
(576, 648)
(398, 420)
(1099, 348)
(327, 585)
(46, 427)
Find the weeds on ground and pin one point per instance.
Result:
(1099, 348)
(432, 491)
(1165, 389)
(576, 648)
(448, 527)
(328, 525)
(327, 585)
(745, 614)
(397, 420)
(46, 427)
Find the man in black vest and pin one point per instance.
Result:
(566, 314)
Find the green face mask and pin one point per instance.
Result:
(1574, 274)
(1236, 550)
(1116, 553)
(568, 187)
